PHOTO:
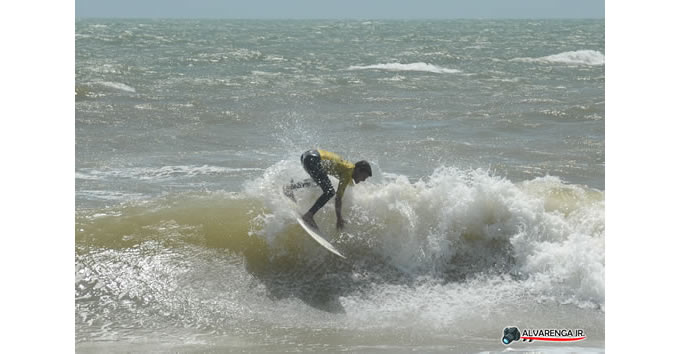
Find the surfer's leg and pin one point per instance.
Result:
(311, 161)
(323, 199)
(328, 193)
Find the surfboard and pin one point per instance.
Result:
(317, 237)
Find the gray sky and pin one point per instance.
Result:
(341, 9)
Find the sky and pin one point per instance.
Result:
(340, 9)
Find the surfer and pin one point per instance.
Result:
(319, 164)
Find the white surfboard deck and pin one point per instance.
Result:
(317, 237)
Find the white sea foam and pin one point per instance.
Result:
(117, 86)
(423, 67)
(264, 73)
(579, 57)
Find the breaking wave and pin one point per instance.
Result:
(545, 235)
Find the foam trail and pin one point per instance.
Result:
(423, 67)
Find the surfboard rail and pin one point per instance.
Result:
(318, 238)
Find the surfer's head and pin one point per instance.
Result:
(362, 170)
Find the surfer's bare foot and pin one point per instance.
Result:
(309, 219)
(288, 192)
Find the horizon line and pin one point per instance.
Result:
(331, 19)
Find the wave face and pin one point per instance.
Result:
(423, 67)
(579, 57)
(431, 255)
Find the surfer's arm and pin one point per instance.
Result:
(338, 212)
(338, 204)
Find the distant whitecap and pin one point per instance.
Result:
(424, 67)
(579, 57)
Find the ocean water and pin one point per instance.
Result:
(485, 210)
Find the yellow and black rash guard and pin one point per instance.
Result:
(334, 165)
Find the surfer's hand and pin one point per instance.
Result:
(340, 224)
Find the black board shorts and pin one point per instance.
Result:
(311, 162)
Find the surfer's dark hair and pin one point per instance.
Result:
(364, 166)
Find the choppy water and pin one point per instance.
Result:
(486, 208)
